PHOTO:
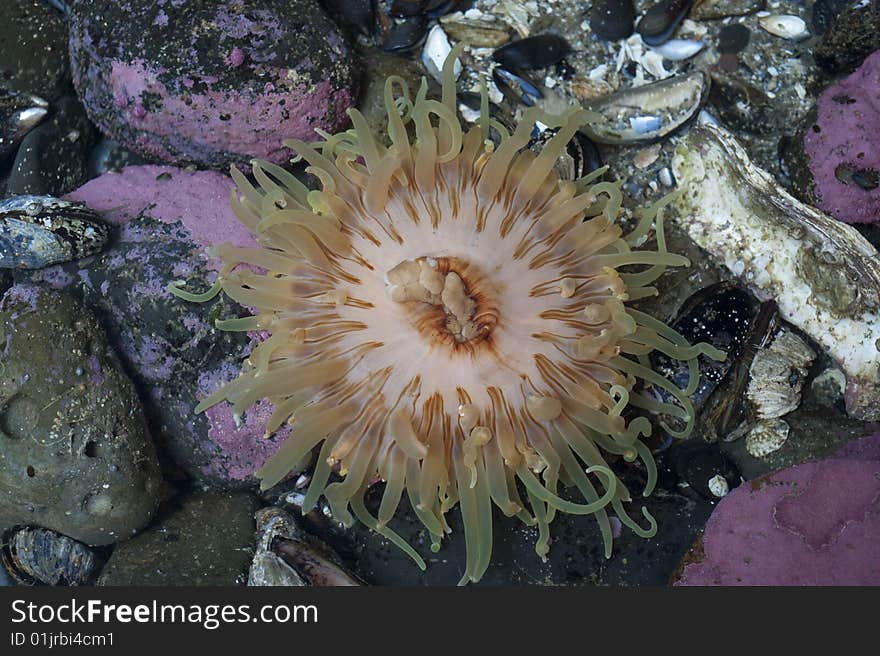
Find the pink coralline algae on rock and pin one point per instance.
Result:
(843, 149)
(207, 81)
(813, 524)
(165, 217)
(200, 200)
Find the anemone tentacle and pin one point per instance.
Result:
(449, 318)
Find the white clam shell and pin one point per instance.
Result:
(785, 26)
(435, 52)
(679, 49)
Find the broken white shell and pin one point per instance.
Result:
(435, 52)
(766, 437)
(824, 276)
(679, 49)
(777, 375)
(785, 26)
(719, 486)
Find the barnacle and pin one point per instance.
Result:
(449, 317)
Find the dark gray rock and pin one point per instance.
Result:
(33, 40)
(53, 158)
(853, 35)
(824, 12)
(75, 453)
(204, 539)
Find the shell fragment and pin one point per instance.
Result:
(824, 276)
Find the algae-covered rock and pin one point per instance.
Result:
(75, 453)
(208, 82)
(165, 219)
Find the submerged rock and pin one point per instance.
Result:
(75, 453)
(166, 217)
(576, 554)
(208, 82)
(814, 524)
(19, 113)
(33, 40)
(53, 158)
(204, 539)
(853, 35)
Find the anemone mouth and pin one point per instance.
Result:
(449, 318)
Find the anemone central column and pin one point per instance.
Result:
(451, 302)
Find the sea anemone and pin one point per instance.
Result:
(449, 317)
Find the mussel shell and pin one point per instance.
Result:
(720, 315)
(407, 8)
(581, 156)
(679, 49)
(647, 112)
(516, 87)
(741, 105)
(288, 556)
(358, 15)
(478, 34)
(785, 26)
(314, 565)
(612, 19)
(539, 51)
(38, 555)
(37, 231)
(406, 35)
(714, 9)
(727, 408)
(660, 21)
(19, 113)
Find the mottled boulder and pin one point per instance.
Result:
(75, 453)
(165, 219)
(204, 539)
(210, 82)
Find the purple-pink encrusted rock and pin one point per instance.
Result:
(814, 524)
(842, 147)
(210, 81)
(165, 217)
